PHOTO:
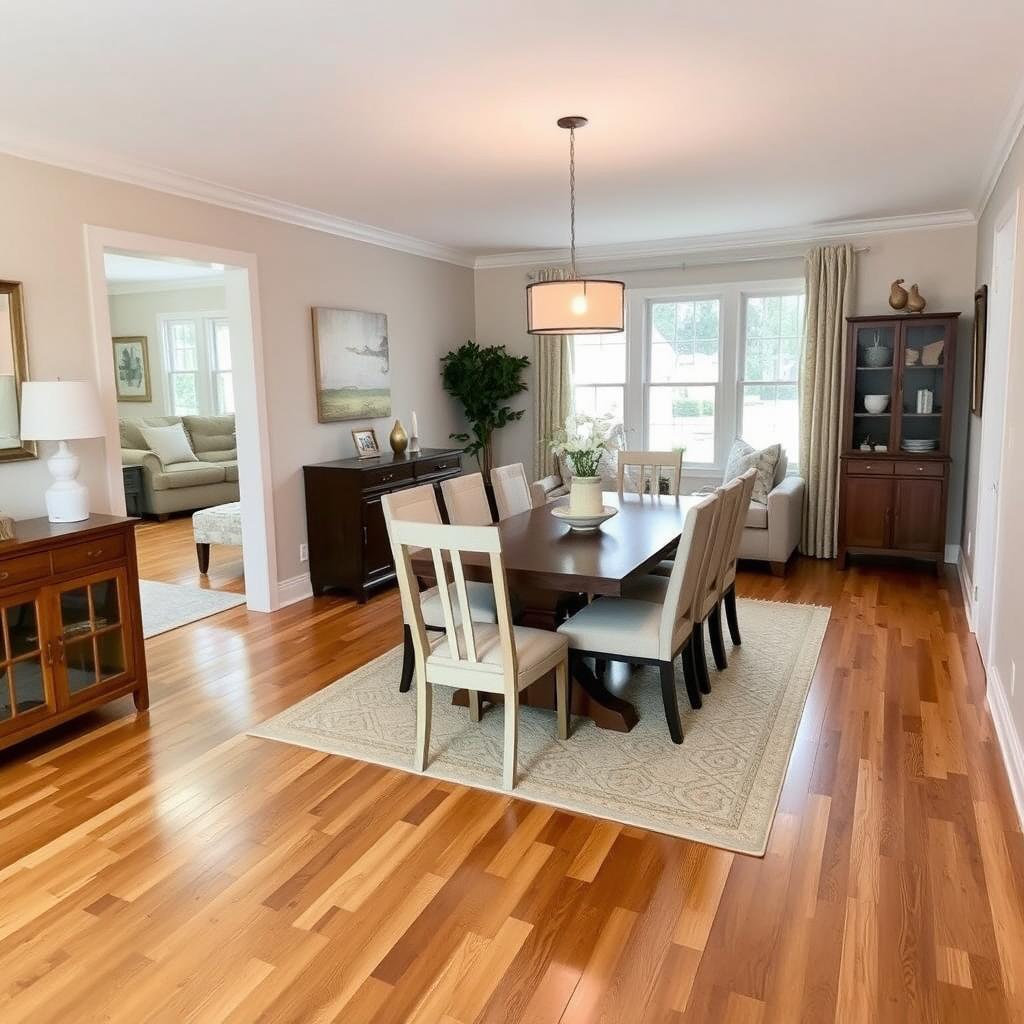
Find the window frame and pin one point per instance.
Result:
(203, 325)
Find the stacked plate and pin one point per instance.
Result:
(920, 446)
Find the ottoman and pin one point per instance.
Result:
(221, 524)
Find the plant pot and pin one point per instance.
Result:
(585, 496)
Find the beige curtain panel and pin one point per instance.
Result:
(830, 275)
(552, 367)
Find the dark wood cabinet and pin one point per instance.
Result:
(349, 548)
(894, 467)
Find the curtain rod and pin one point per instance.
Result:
(723, 261)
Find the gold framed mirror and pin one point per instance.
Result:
(13, 372)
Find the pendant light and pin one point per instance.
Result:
(577, 305)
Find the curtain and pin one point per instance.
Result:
(830, 274)
(552, 367)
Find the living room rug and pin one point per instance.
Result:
(720, 786)
(166, 606)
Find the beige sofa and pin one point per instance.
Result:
(185, 486)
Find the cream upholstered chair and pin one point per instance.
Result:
(466, 500)
(511, 490)
(419, 505)
(728, 595)
(479, 657)
(647, 633)
(656, 462)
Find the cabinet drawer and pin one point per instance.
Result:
(24, 569)
(81, 556)
(869, 467)
(920, 469)
(385, 475)
(444, 464)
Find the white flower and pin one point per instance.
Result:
(584, 441)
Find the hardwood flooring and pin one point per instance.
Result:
(166, 867)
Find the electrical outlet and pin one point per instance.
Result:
(303, 552)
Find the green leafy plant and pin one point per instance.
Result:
(483, 379)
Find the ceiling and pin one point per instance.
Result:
(122, 269)
(436, 120)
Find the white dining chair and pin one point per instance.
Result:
(465, 500)
(479, 657)
(645, 632)
(672, 462)
(727, 598)
(511, 490)
(419, 505)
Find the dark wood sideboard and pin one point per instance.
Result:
(348, 538)
(70, 623)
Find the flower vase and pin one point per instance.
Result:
(585, 496)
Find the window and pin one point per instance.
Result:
(698, 367)
(772, 339)
(197, 356)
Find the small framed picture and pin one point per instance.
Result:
(131, 369)
(366, 443)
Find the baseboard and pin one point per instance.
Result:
(967, 589)
(298, 588)
(1009, 740)
(952, 553)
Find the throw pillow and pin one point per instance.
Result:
(743, 456)
(169, 444)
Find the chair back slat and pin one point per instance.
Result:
(670, 461)
(464, 608)
(443, 593)
(511, 490)
(465, 500)
(690, 563)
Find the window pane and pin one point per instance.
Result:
(225, 393)
(599, 401)
(773, 337)
(684, 341)
(184, 394)
(221, 356)
(771, 416)
(599, 359)
(181, 337)
(683, 416)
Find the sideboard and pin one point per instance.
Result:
(348, 539)
(70, 623)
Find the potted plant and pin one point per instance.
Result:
(483, 379)
(584, 442)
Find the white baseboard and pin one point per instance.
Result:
(298, 588)
(952, 553)
(1009, 740)
(967, 589)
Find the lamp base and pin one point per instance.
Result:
(67, 501)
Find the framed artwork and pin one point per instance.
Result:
(978, 349)
(365, 441)
(353, 368)
(131, 369)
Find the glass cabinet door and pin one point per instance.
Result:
(874, 381)
(25, 686)
(924, 367)
(93, 647)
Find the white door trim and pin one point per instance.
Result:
(242, 290)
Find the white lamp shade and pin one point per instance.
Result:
(60, 410)
(575, 307)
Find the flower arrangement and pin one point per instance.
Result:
(584, 442)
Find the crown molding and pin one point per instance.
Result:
(740, 243)
(1007, 139)
(175, 285)
(172, 183)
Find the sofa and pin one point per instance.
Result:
(185, 486)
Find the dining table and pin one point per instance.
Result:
(553, 570)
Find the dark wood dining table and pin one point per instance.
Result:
(551, 568)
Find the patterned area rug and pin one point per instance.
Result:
(166, 606)
(720, 786)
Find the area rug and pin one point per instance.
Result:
(166, 606)
(720, 786)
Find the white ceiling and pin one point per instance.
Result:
(436, 120)
(121, 269)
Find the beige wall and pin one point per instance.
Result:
(137, 314)
(429, 306)
(1008, 595)
(941, 260)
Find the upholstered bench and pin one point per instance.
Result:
(221, 524)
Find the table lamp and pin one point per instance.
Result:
(62, 411)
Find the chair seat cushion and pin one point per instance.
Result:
(615, 625)
(663, 568)
(647, 588)
(481, 604)
(533, 646)
(757, 516)
(221, 524)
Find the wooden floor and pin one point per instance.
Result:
(167, 867)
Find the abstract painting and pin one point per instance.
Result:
(131, 369)
(353, 369)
